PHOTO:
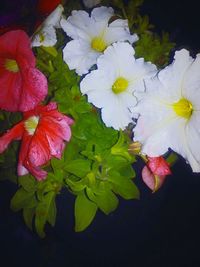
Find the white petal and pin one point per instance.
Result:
(172, 76)
(118, 31)
(116, 116)
(91, 3)
(77, 25)
(191, 84)
(54, 18)
(49, 37)
(98, 87)
(79, 56)
(102, 13)
(193, 142)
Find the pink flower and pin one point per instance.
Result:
(43, 132)
(23, 86)
(155, 172)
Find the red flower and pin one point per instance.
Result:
(155, 172)
(43, 131)
(22, 85)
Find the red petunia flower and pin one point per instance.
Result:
(155, 172)
(43, 132)
(22, 86)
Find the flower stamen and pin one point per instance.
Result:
(98, 44)
(183, 108)
(120, 85)
(31, 124)
(11, 65)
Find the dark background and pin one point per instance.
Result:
(160, 230)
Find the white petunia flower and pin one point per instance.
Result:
(46, 34)
(91, 3)
(92, 35)
(114, 84)
(170, 111)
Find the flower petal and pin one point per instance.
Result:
(49, 37)
(14, 134)
(102, 13)
(34, 89)
(78, 55)
(118, 31)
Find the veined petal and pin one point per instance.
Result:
(102, 13)
(118, 31)
(192, 137)
(116, 116)
(77, 24)
(14, 134)
(172, 76)
(78, 55)
(34, 89)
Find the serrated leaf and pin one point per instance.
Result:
(42, 213)
(78, 167)
(28, 214)
(21, 199)
(123, 186)
(85, 211)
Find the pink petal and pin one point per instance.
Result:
(150, 180)
(14, 134)
(158, 166)
(34, 89)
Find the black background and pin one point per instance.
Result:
(161, 229)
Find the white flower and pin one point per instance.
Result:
(46, 34)
(114, 84)
(170, 111)
(91, 3)
(92, 35)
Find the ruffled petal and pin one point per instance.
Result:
(172, 76)
(16, 45)
(102, 13)
(118, 30)
(79, 56)
(14, 134)
(76, 26)
(34, 89)
(116, 116)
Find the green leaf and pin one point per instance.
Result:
(42, 213)
(27, 182)
(106, 200)
(123, 186)
(85, 211)
(22, 199)
(28, 214)
(78, 167)
(52, 212)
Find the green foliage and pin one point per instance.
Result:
(85, 211)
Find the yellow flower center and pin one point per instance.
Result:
(42, 38)
(183, 108)
(31, 124)
(98, 44)
(120, 85)
(11, 65)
